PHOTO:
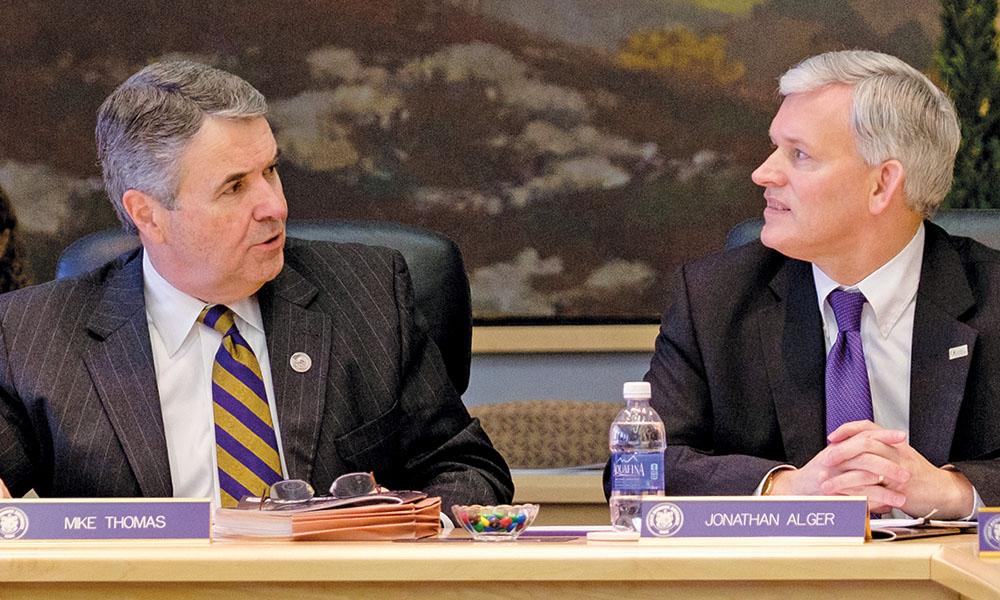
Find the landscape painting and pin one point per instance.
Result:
(577, 151)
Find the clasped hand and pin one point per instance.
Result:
(863, 459)
(4, 492)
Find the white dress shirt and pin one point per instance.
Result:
(886, 328)
(183, 354)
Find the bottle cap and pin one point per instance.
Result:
(637, 390)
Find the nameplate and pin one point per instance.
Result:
(988, 520)
(105, 519)
(825, 519)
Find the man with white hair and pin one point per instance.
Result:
(854, 348)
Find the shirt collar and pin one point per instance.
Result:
(174, 313)
(889, 290)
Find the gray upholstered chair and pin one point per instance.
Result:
(440, 284)
(548, 434)
(980, 225)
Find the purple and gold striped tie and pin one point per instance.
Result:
(245, 444)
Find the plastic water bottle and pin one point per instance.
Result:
(637, 441)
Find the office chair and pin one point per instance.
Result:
(440, 285)
(982, 225)
(548, 434)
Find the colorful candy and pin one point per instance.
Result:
(489, 521)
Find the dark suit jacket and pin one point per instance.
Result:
(80, 413)
(738, 372)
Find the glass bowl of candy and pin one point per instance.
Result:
(495, 523)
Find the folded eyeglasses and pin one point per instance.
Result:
(348, 485)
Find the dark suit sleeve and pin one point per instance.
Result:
(446, 451)
(15, 465)
(684, 399)
(984, 476)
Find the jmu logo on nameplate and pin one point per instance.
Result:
(665, 519)
(13, 523)
(829, 519)
(989, 531)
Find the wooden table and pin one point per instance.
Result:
(919, 569)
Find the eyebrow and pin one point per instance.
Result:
(793, 141)
(241, 174)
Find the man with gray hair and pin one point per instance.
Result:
(854, 348)
(221, 357)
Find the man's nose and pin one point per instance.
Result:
(271, 204)
(768, 173)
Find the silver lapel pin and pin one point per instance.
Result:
(958, 352)
(300, 362)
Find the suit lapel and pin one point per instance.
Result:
(299, 395)
(120, 362)
(791, 331)
(937, 382)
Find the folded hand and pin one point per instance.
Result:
(925, 489)
(855, 465)
(863, 459)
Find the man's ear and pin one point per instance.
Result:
(886, 186)
(145, 212)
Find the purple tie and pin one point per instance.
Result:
(848, 394)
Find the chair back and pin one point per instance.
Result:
(549, 434)
(440, 284)
(982, 225)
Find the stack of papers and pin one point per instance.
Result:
(396, 518)
(899, 529)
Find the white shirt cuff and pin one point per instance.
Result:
(760, 486)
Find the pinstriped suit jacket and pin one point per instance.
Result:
(80, 413)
